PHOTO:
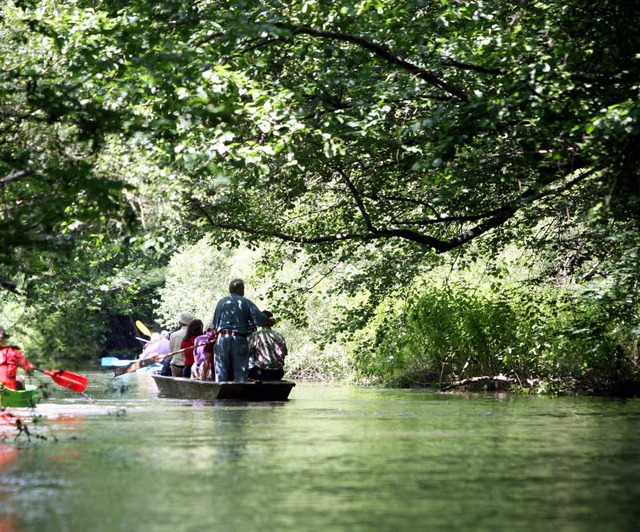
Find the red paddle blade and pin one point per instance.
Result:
(73, 381)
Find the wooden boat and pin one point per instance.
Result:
(182, 388)
(19, 398)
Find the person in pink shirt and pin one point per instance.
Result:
(199, 370)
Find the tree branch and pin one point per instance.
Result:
(491, 219)
(474, 68)
(506, 212)
(474, 380)
(382, 53)
(424, 240)
(14, 176)
(480, 229)
(358, 200)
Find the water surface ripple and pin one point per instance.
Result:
(331, 458)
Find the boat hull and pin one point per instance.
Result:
(27, 398)
(182, 388)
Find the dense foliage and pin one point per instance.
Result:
(383, 138)
(475, 325)
(418, 127)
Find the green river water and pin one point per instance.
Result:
(331, 458)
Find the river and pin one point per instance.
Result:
(331, 458)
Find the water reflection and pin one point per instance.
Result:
(8, 518)
(330, 458)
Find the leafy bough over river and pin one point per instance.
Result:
(331, 458)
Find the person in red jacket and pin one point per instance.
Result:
(194, 329)
(10, 360)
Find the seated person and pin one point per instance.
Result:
(151, 347)
(10, 360)
(267, 351)
(164, 346)
(194, 329)
(200, 370)
(165, 370)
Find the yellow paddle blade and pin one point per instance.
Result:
(143, 328)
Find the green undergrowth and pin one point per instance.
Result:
(546, 340)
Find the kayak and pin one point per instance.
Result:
(19, 398)
(114, 362)
(181, 388)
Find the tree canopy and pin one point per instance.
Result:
(428, 123)
(373, 132)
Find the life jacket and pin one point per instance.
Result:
(10, 359)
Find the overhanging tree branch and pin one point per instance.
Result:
(382, 53)
(507, 212)
(14, 176)
(358, 200)
(473, 68)
(266, 232)
(490, 220)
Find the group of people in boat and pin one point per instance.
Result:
(232, 348)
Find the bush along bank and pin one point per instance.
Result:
(533, 340)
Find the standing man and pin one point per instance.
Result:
(233, 318)
(177, 361)
(10, 360)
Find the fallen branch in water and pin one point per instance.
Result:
(305, 374)
(474, 380)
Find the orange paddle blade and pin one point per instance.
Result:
(73, 381)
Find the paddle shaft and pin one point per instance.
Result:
(138, 364)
